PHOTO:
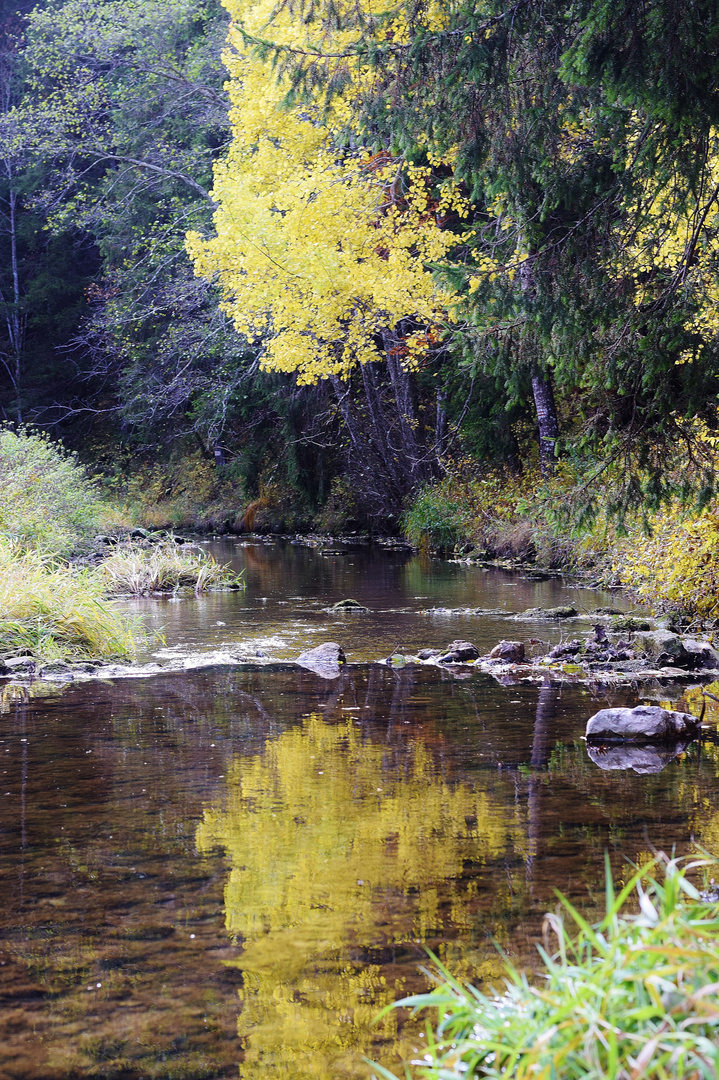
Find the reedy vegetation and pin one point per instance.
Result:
(634, 995)
(54, 611)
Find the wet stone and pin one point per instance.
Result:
(645, 723)
(348, 605)
(17, 664)
(324, 660)
(511, 652)
(459, 652)
(562, 612)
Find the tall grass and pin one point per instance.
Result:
(140, 570)
(634, 997)
(55, 611)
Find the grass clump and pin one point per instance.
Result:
(54, 611)
(47, 503)
(634, 996)
(139, 570)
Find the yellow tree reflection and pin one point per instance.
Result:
(340, 847)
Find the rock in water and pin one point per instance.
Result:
(348, 605)
(427, 654)
(662, 644)
(324, 660)
(511, 652)
(646, 723)
(701, 653)
(459, 652)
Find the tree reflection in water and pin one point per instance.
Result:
(344, 852)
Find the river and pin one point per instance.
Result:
(228, 871)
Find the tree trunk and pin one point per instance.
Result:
(544, 403)
(547, 421)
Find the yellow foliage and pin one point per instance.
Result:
(678, 566)
(677, 239)
(320, 245)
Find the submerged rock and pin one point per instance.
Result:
(324, 660)
(646, 723)
(348, 605)
(562, 612)
(511, 652)
(641, 759)
(459, 652)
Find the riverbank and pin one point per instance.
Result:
(54, 613)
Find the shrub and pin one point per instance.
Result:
(636, 995)
(436, 521)
(46, 500)
(55, 612)
(677, 568)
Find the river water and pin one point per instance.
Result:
(229, 871)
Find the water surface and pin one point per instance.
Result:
(229, 872)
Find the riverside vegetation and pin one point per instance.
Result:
(633, 995)
(52, 608)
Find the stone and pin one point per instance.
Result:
(427, 654)
(20, 663)
(701, 653)
(511, 652)
(630, 624)
(348, 605)
(562, 612)
(664, 644)
(459, 652)
(564, 649)
(55, 667)
(645, 723)
(641, 759)
(324, 660)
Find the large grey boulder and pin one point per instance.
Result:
(646, 723)
(641, 759)
(657, 644)
(701, 653)
(324, 660)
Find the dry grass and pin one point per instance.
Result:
(140, 571)
(54, 611)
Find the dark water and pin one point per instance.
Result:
(229, 872)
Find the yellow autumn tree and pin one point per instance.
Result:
(321, 246)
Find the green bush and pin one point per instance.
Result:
(634, 996)
(47, 502)
(435, 521)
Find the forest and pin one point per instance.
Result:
(441, 268)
